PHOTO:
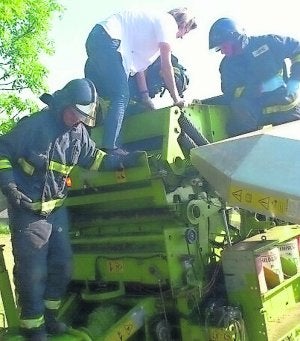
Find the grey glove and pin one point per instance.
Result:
(120, 162)
(112, 162)
(15, 197)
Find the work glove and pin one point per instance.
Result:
(112, 162)
(132, 159)
(293, 88)
(272, 84)
(120, 162)
(15, 197)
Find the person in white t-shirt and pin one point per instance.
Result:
(124, 44)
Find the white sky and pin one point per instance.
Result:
(257, 17)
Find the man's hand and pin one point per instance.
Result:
(293, 88)
(15, 197)
(147, 102)
(180, 103)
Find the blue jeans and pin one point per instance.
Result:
(43, 258)
(105, 69)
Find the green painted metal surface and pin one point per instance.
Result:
(270, 315)
(158, 256)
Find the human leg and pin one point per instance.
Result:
(244, 117)
(59, 270)
(30, 235)
(104, 67)
(278, 108)
(281, 117)
(118, 94)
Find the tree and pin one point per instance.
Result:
(24, 30)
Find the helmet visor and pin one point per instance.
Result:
(87, 113)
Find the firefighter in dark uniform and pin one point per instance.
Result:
(36, 158)
(254, 77)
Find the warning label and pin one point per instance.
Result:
(257, 201)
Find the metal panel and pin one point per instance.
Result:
(257, 171)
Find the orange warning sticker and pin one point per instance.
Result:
(115, 266)
(122, 331)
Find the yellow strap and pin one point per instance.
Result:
(26, 166)
(32, 323)
(98, 159)
(47, 206)
(52, 304)
(280, 107)
(238, 91)
(60, 168)
(5, 164)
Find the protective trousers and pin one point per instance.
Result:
(248, 114)
(43, 256)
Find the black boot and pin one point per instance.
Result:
(34, 334)
(53, 326)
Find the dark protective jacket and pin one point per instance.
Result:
(40, 152)
(263, 57)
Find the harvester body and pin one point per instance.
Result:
(175, 245)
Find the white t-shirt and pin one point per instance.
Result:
(140, 33)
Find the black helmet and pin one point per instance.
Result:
(223, 30)
(81, 94)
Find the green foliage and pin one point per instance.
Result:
(11, 105)
(24, 28)
(4, 229)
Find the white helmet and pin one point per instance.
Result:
(79, 93)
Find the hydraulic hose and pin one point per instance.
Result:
(188, 128)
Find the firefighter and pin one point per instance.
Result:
(125, 44)
(36, 158)
(254, 77)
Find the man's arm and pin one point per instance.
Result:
(167, 73)
(143, 89)
(7, 182)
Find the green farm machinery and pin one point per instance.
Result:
(196, 240)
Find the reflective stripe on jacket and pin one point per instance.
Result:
(39, 154)
(262, 58)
